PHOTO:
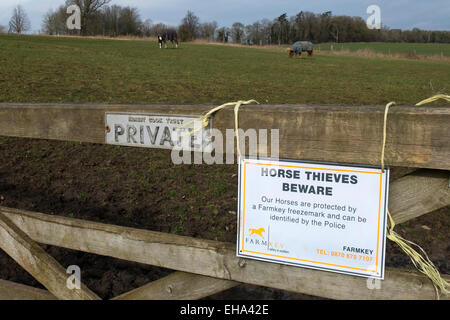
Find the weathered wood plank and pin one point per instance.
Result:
(399, 172)
(416, 137)
(179, 286)
(37, 262)
(15, 291)
(211, 258)
(419, 193)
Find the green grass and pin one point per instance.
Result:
(392, 48)
(52, 69)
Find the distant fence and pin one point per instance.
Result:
(419, 138)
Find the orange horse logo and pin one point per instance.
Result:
(257, 231)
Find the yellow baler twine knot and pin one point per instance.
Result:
(205, 119)
(422, 263)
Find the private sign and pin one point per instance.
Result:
(154, 131)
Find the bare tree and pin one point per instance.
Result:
(208, 30)
(256, 32)
(189, 28)
(223, 34)
(158, 28)
(266, 25)
(88, 9)
(111, 15)
(237, 32)
(146, 27)
(129, 21)
(54, 22)
(19, 21)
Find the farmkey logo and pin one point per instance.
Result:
(257, 231)
(256, 237)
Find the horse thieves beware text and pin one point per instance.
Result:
(316, 215)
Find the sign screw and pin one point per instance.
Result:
(418, 284)
(108, 129)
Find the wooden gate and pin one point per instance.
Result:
(418, 138)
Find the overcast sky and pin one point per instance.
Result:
(403, 14)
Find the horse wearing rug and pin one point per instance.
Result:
(300, 46)
(168, 35)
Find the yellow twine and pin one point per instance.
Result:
(434, 98)
(423, 264)
(205, 119)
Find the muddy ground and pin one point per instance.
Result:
(141, 188)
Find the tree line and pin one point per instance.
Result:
(100, 18)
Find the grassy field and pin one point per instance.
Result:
(51, 69)
(387, 48)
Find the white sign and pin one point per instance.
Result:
(315, 215)
(156, 131)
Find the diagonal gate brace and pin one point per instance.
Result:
(43, 267)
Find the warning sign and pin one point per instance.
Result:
(317, 215)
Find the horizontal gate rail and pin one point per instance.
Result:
(416, 136)
(179, 286)
(211, 258)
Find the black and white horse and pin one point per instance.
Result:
(168, 35)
